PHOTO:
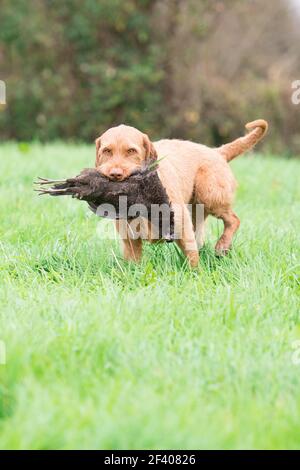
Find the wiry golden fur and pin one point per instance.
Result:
(191, 174)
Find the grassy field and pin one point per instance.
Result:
(104, 354)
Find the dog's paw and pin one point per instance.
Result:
(222, 249)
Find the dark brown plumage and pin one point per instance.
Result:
(143, 189)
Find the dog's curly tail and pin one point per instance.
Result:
(258, 130)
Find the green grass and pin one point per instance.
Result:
(104, 354)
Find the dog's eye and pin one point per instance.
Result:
(107, 151)
(131, 151)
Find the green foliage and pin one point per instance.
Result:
(106, 354)
(74, 68)
(198, 70)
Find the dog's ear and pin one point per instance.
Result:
(98, 145)
(151, 153)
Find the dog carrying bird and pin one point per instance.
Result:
(186, 174)
(143, 192)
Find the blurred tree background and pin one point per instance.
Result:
(195, 69)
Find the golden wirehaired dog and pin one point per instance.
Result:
(191, 174)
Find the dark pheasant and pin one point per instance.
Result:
(142, 194)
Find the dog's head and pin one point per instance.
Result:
(122, 150)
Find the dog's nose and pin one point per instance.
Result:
(116, 173)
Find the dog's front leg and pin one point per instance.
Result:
(185, 234)
(131, 247)
(132, 250)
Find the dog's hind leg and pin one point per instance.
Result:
(231, 225)
(214, 187)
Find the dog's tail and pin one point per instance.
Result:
(258, 130)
